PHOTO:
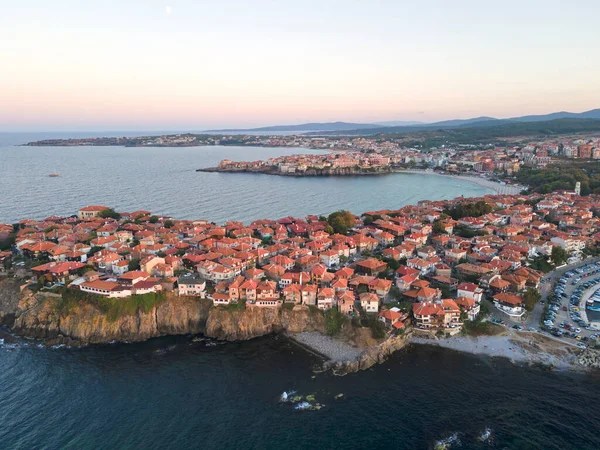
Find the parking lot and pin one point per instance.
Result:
(565, 317)
(560, 310)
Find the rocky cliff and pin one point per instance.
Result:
(36, 315)
(255, 321)
(376, 354)
(10, 296)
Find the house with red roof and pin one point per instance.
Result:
(369, 302)
(371, 266)
(58, 271)
(330, 258)
(309, 294)
(468, 306)
(325, 299)
(470, 290)
(393, 318)
(441, 314)
(510, 304)
(346, 302)
(92, 211)
(380, 287)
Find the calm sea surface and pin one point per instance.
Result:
(164, 181)
(176, 393)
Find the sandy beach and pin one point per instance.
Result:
(483, 182)
(531, 348)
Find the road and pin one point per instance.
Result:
(533, 319)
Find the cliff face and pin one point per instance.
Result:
(10, 296)
(36, 315)
(254, 321)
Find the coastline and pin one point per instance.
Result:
(507, 189)
(518, 347)
(324, 346)
(498, 188)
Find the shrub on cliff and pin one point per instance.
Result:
(112, 308)
(334, 321)
(377, 328)
(237, 306)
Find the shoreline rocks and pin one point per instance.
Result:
(368, 357)
(589, 358)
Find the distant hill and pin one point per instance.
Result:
(477, 122)
(459, 122)
(328, 126)
(478, 134)
(592, 114)
(398, 123)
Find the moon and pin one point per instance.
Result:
(168, 9)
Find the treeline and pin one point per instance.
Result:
(490, 132)
(555, 178)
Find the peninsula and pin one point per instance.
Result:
(343, 285)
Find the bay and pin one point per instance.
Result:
(164, 181)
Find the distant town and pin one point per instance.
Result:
(373, 155)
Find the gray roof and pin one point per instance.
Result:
(190, 279)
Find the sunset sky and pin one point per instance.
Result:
(193, 65)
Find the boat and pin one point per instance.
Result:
(53, 175)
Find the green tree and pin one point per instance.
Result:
(469, 209)
(153, 219)
(392, 263)
(341, 221)
(559, 255)
(377, 328)
(531, 298)
(95, 249)
(338, 225)
(134, 264)
(438, 227)
(445, 291)
(109, 213)
(169, 224)
(8, 242)
(334, 321)
(395, 293)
